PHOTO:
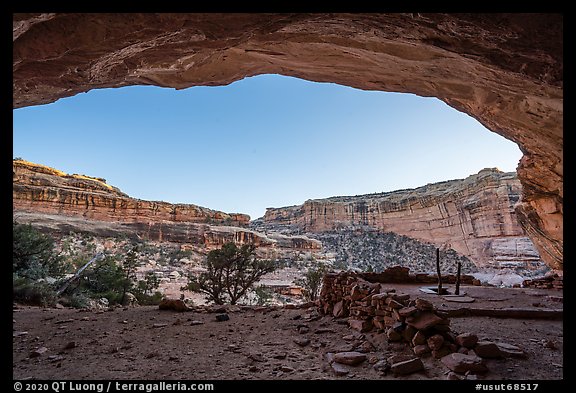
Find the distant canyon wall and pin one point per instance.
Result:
(474, 216)
(59, 202)
(42, 189)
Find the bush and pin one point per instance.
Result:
(231, 272)
(33, 254)
(312, 282)
(36, 293)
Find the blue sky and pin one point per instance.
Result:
(264, 141)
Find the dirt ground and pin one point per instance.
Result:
(146, 343)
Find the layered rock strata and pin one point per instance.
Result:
(506, 70)
(474, 216)
(58, 202)
(39, 188)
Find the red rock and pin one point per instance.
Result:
(38, 352)
(467, 340)
(350, 358)
(487, 349)
(362, 325)
(407, 366)
(509, 350)
(461, 363)
(393, 335)
(423, 304)
(338, 310)
(435, 342)
(421, 350)
(419, 338)
(339, 369)
(423, 320)
(407, 311)
(441, 352)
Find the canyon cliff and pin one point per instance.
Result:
(59, 202)
(474, 216)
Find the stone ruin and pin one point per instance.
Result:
(372, 305)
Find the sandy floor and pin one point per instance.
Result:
(258, 343)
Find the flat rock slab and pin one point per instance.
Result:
(407, 367)
(509, 350)
(424, 320)
(461, 363)
(351, 358)
(487, 349)
(459, 299)
(340, 369)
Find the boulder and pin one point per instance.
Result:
(173, 305)
(351, 358)
(435, 342)
(467, 340)
(487, 349)
(460, 363)
(424, 320)
(407, 367)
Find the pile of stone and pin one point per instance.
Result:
(552, 281)
(376, 307)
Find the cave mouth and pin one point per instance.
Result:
(275, 140)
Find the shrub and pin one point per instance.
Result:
(312, 282)
(230, 273)
(33, 254)
(36, 293)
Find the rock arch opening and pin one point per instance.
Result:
(505, 70)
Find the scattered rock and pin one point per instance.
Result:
(222, 317)
(548, 344)
(339, 369)
(177, 305)
(419, 338)
(435, 342)
(509, 350)
(407, 367)
(421, 350)
(55, 358)
(280, 355)
(257, 357)
(424, 320)
(323, 330)
(362, 325)
(467, 340)
(18, 334)
(452, 376)
(351, 358)
(253, 369)
(194, 323)
(423, 305)
(64, 321)
(441, 352)
(365, 346)
(487, 349)
(381, 365)
(407, 311)
(393, 335)
(70, 345)
(38, 352)
(338, 310)
(303, 329)
(286, 369)
(302, 341)
(159, 325)
(460, 363)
